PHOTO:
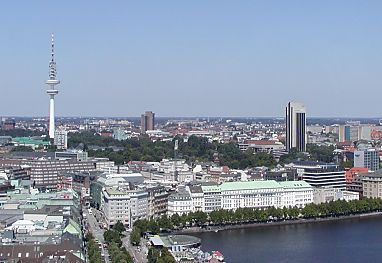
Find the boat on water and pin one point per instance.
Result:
(218, 256)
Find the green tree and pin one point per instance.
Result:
(112, 236)
(135, 236)
(119, 227)
(320, 152)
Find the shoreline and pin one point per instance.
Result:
(192, 230)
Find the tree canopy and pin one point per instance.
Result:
(194, 149)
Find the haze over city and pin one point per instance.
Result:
(215, 58)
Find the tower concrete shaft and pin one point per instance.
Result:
(52, 91)
(52, 126)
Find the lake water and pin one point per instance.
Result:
(352, 240)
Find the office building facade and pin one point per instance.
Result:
(296, 126)
(320, 174)
(368, 158)
(44, 173)
(147, 121)
(126, 206)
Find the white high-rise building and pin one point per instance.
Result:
(296, 126)
(61, 139)
(52, 82)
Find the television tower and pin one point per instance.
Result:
(52, 82)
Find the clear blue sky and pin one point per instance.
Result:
(192, 58)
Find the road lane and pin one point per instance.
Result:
(97, 233)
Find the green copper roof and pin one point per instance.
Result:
(30, 141)
(71, 229)
(232, 186)
(253, 185)
(211, 188)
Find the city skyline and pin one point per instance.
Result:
(245, 59)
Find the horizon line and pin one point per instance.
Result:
(189, 117)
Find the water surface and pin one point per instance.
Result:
(352, 240)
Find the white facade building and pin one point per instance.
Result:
(197, 197)
(179, 203)
(297, 193)
(250, 194)
(212, 198)
(170, 166)
(328, 194)
(61, 139)
(125, 206)
(184, 176)
(257, 194)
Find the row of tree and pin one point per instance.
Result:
(118, 254)
(94, 252)
(252, 215)
(113, 238)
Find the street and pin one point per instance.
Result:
(139, 254)
(97, 233)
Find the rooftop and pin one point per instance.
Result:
(196, 189)
(294, 184)
(312, 163)
(232, 186)
(211, 188)
(376, 174)
(262, 142)
(182, 240)
(30, 141)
